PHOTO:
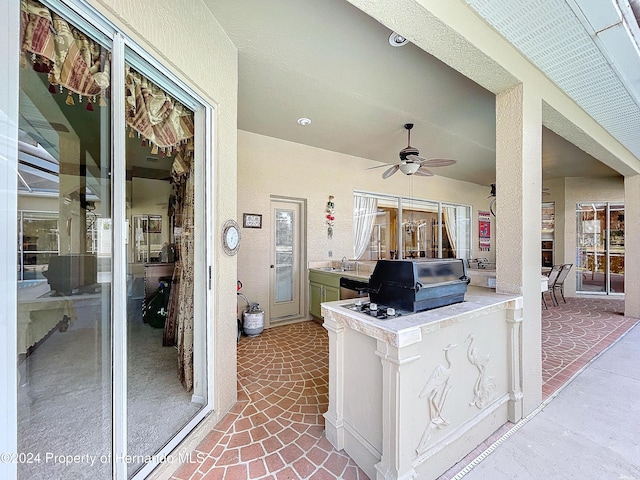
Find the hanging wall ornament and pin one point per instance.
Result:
(330, 218)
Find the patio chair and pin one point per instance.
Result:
(559, 283)
(553, 277)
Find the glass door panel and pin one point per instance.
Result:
(600, 247)
(591, 259)
(164, 392)
(456, 231)
(616, 248)
(64, 283)
(412, 226)
(285, 228)
(383, 243)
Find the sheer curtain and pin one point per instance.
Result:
(364, 215)
(455, 221)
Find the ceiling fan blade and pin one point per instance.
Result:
(438, 162)
(423, 172)
(379, 166)
(415, 158)
(391, 171)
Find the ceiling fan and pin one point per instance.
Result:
(411, 163)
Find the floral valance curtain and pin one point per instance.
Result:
(65, 54)
(74, 62)
(163, 122)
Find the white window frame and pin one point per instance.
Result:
(404, 200)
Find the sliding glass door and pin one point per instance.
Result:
(160, 191)
(111, 363)
(600, 248)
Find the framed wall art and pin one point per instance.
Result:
(252, 220)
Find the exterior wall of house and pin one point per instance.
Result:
(268, 166)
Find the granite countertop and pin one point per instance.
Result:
(407, 329)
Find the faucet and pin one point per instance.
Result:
(344, 263)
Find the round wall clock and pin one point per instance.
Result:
(230, 237)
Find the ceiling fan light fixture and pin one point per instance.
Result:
(397, 40)
(304, 121)
(409, 168)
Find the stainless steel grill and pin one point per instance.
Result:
(416, 285)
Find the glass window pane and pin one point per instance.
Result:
(64, 282)
(165, 386)
(591, 258)
(421, 234)
(616, 248)
(285, 233)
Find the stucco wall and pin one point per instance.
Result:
(268, 166)
(556, 195)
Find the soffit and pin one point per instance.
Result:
(556, 37)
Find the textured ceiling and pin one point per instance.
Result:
(332, 63)
(556, 36)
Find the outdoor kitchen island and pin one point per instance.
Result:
(410, 396)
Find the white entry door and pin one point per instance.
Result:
(287, 239)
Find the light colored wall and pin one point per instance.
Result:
(190, 42)
(556, 195)
(268, 166)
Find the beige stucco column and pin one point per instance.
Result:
(632, 246)
(518, 220)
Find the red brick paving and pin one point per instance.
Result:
(575, 332)
(276, 430)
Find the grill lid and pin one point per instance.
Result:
(417, 285)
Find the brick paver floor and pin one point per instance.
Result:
(276, 430)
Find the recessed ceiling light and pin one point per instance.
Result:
(397, 40)
(304, 121)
